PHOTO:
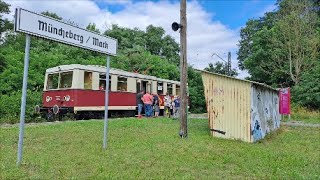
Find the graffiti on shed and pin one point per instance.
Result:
(264, 111)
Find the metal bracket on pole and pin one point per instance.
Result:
(23, 98)
(106, 104)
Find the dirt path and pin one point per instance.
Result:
(297, 123)
(191, 116)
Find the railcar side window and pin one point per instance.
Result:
(102, 82)
(122, 84)
(138, 87)
(169, 87)
(53, 81)
(87, 80)
(65, 80)
(160, 88)
(178, 90)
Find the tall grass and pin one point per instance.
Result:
(302, 114)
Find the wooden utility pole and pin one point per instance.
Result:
(183, 69)
(229, 63)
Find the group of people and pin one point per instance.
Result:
(152, 102)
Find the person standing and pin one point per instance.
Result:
(167, 105)
(140, 102)
(148, 100)
(177, 107)
(156, 104)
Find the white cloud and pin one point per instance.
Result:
(268, 8)
(117, 2)
(205, 35)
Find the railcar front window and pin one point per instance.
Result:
(160, 88)
(178, 90)
(122, 84)
(53, 81)
(65, 80)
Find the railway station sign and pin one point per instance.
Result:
(46, 27)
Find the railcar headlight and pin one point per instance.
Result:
(48, 98)
(67, 98)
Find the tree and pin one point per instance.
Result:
(51, 14)
(196, 91)
(220, 68)
(299, 38)
(127, 38)
(161, 45)
(257, 51)
(307, 92)
(92, 27)
(154, 39)
(5, 24)
(282, 45)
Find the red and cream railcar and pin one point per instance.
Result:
(79, 89)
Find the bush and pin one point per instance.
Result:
(196, 92)
(307, 92)
(10, 106)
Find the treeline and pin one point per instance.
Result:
(282, 49)
(147, 52)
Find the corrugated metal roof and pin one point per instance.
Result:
(253, 82)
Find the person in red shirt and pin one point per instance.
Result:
(148, 100)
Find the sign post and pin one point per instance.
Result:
(46, 27)
(106, 105)
(23, 98)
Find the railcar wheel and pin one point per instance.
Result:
(37, 109)
(49, 116)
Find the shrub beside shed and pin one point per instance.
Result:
(240, 109)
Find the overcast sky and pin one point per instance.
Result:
(213, 26)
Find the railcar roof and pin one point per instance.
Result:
(102, 69)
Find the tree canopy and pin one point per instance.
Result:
(283, 46)
(221, 68)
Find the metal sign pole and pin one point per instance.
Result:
(106, 104)
(23, 98)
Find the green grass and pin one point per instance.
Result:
(151, 149)
(304, 115)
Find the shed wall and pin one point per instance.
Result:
(265, 116)
(228, 105)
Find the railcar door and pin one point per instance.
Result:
(144, 85)
(138, 86)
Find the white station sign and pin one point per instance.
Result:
(46, 27)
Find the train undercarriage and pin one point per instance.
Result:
(56, 113)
